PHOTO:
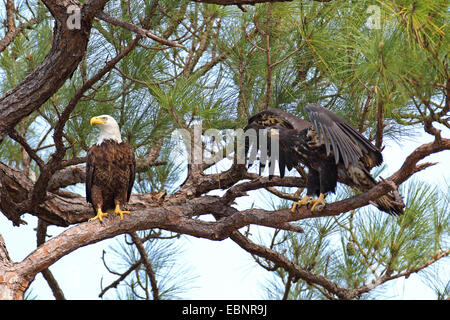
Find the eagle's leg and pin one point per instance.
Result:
(120, 212)
(303, 201)
(322, 181)
(313, 184)
(319, 201)
(100, 215)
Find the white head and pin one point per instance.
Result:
(109, 129)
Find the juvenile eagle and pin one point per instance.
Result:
(110, 170)
(331, 150)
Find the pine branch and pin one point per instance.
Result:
(388, 277)
(138, 30)
(176, 215)
(68, 49)
(245, 2)
(148, 266)
(41, 234)
(122, 277)
(29, 150)
(294, 270)
(13, 31)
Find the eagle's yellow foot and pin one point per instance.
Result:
(118, 211)
(319, 201)
(303, 201)
(100, 215)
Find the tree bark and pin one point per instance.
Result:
(68, 48)
(174, 212)
(12, 284)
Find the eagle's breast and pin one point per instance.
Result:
(112, 166)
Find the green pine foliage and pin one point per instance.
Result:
(235, 64)
(365, 247)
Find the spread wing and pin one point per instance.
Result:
(346, 142)
(286, 124)
(277, 118)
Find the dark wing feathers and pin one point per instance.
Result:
(277, 117)
(374, 154)
(89, 177)
(132, 172)
(334, 142)
(326, 124)
(347, 143)
(282, 165)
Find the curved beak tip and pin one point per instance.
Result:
(95, 120)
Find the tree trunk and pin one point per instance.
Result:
(68, 48)
(12, 284)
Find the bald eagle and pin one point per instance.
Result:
(110, 170)
(329, 147)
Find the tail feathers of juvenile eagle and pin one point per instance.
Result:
(390, 203)
(361, 179)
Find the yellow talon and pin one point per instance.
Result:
(303, 201)
(315, 203)
(100, 215)
(118, 211)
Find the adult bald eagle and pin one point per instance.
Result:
(110, 170)
(329, 147)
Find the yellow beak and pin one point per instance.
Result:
(96, 120)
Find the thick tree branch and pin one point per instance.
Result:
(65, 209)
(294, 270)
(122, 277)
(68, 48)
(41, 234)
(4, 255)
(176, 214)
(148, 266)
(12, 285)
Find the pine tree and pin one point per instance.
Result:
(163, 66)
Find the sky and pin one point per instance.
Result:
(222, 269)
